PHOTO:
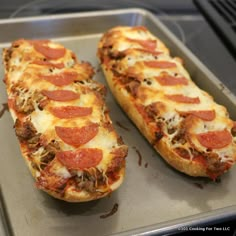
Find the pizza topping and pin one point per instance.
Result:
(200, 159)
(61, 79)
(24, 130)
(49, 153)
(35, 41)
(215, 167)
(180, 137)
(132, 87)
(119, 154)
(75, 136)
(182, 152)
(43, 103)
(67, 112)
(52, 182)
(233, 130)
(53, 177)
(183, 99)
(47, 63)
(48, 52)
(149, 51)
(147, 44)
(116, 164)
(81, 158)
(139, 28)
(168, 80)
(160, 64)
(91, 180)
(215, 139)
(149, 112)
(207, 115)
(60, 95)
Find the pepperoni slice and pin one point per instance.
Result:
(207, 115)
(61, 79)
(147, 44)
(67, 112)
(81, 158)
(39, 41)
(139, 28)
(160, 64)
(183, 99)
(60, 95)
(154, 53)
(47, 63)
(215, 139)
(48, 52)
(75, 136)
(168, 80)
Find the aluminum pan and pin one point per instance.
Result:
(154, 198)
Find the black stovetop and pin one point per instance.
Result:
(181, 16)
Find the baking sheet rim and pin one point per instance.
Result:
(161, 227)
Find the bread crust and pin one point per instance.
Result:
(112, 65)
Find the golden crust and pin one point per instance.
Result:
(73, 196)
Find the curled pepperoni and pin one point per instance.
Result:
(75, 136)
(215, 139)
(47, 63)
(48, 52)
(168, 80)
(67, 112)
(60, 95)
(61, 79)
(147, 44)
(183, 99)
(207, 115)
(160, 64)
(81, 158)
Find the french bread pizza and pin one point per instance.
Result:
(62, 123)
(182, 122)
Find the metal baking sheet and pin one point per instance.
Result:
(154, 198)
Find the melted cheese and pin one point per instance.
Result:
(153, 91)
(62, 171)
(27, 74)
